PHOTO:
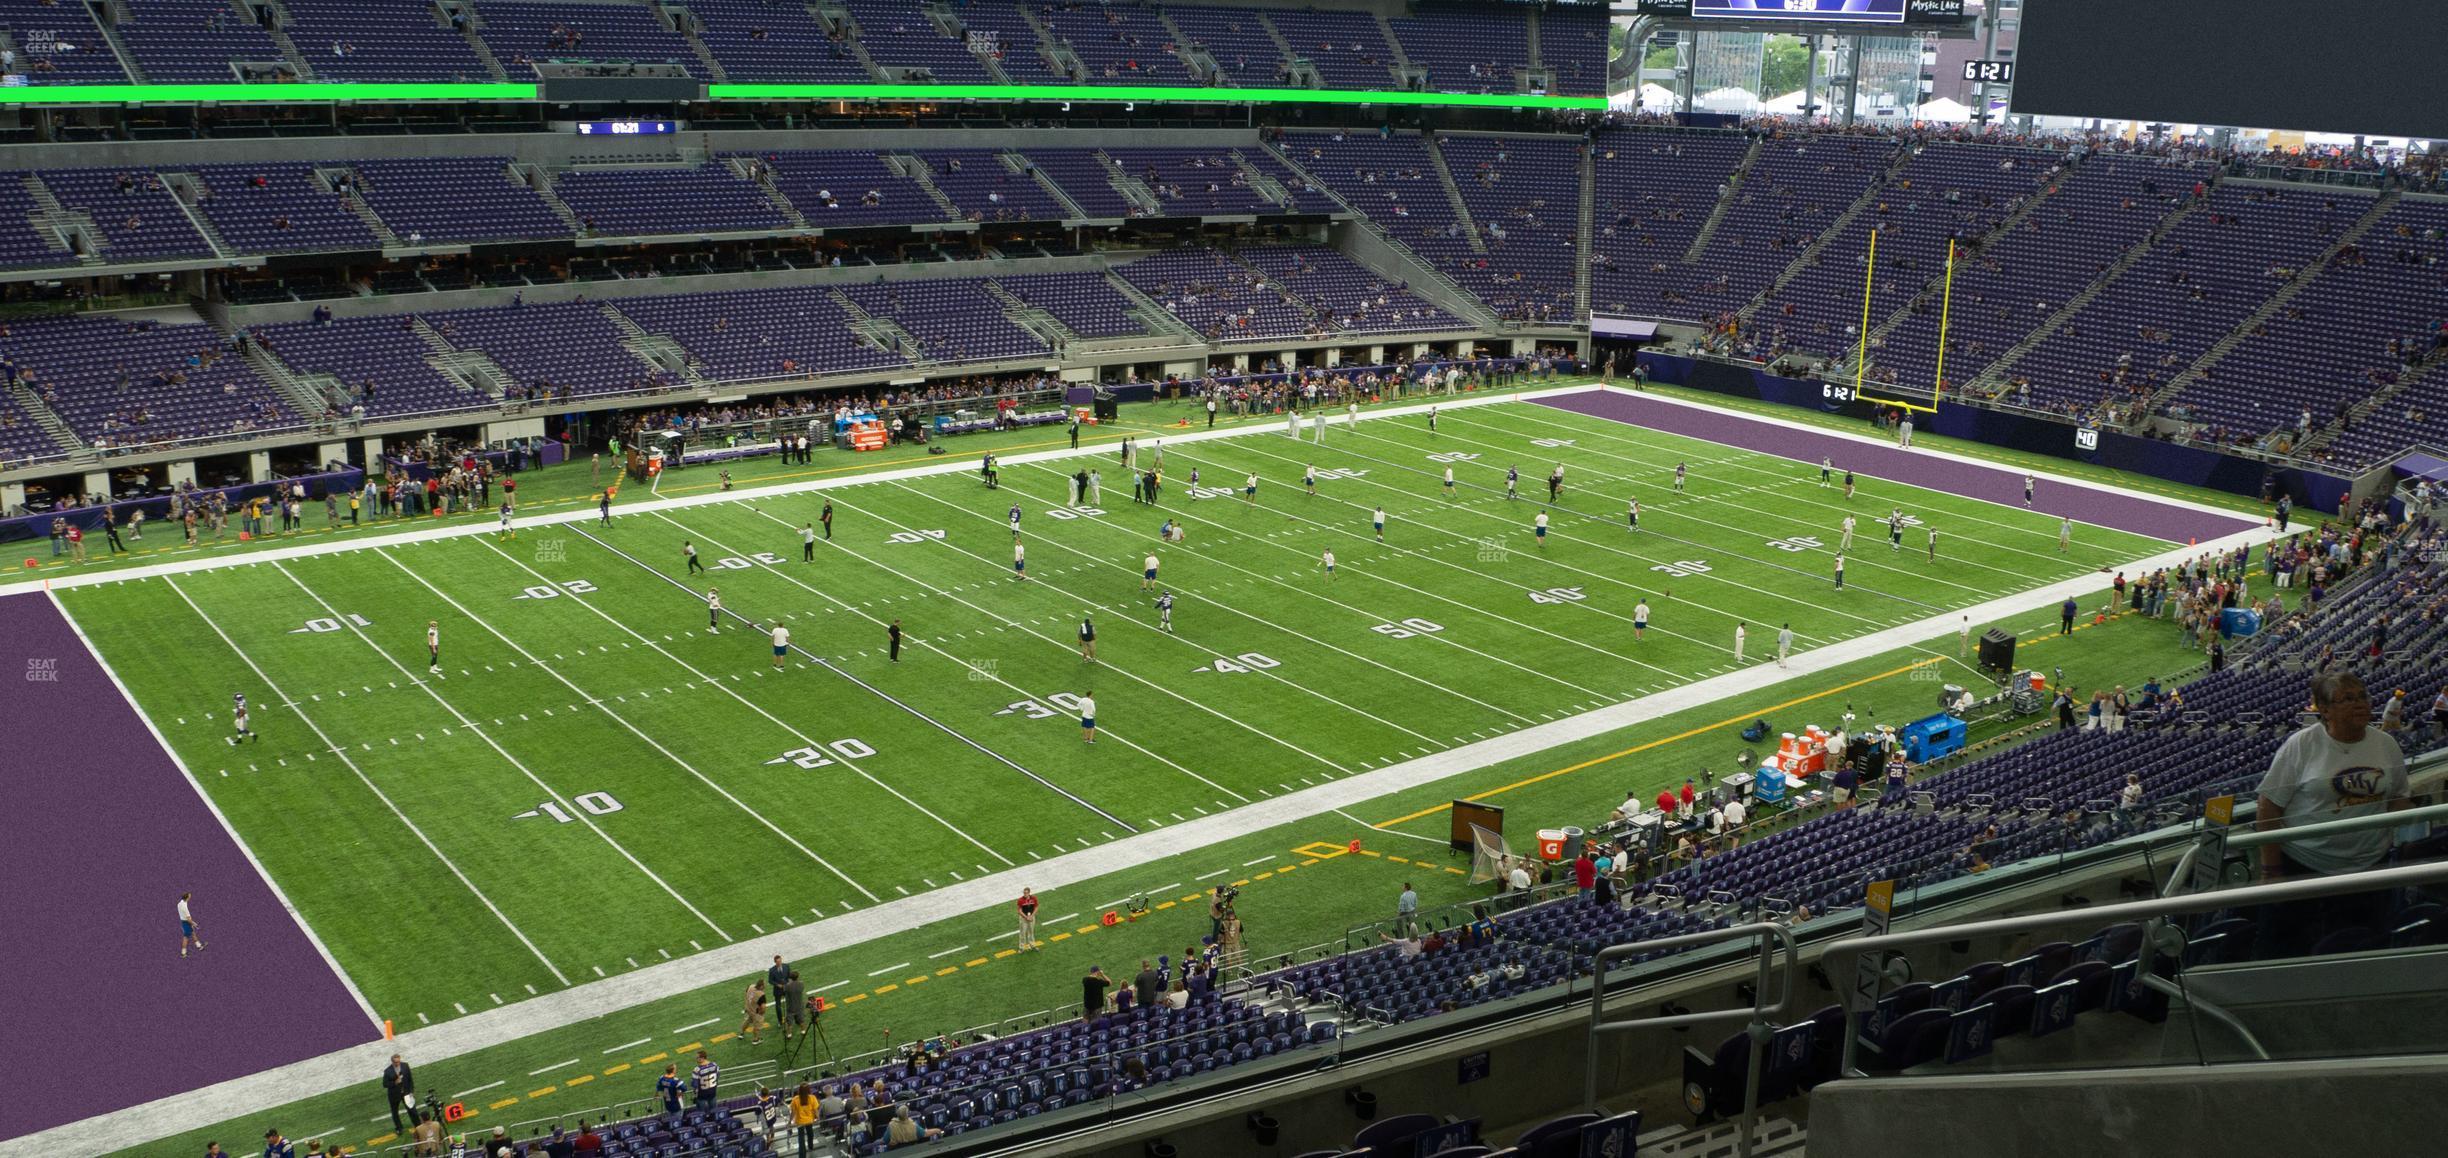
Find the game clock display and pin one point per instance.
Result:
(627, 128)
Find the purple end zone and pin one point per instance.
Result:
(102, 833)
(2106, 508)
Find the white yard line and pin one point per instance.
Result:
(1228, 607)
(550, 1068)
(630, 1045)
(342, 754)
(1022, 626)
(617, 717)
(576, 813)
(223, 819)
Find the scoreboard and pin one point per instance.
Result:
(1810, 12)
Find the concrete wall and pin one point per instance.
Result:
(2262, 1110)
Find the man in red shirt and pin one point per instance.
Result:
(1028, 920)
(1688, 794)
(1585, 873)
(1666, 802)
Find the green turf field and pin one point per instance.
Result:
(588, 731)
(596, 782)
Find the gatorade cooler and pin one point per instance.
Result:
(1551, 844)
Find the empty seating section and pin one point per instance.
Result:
(1017, 47)
(1796, 188)
(1524, 193)
(1085, 303)
(1654, 192)
(380, 363)
(1348, 48)
(840, 187)
(123, 384)
(1117, 44)
(61, 44)
(985, 188)
(622, 201)
(1306, 196)
(523, 31)
(1466, 47)
(903, 40)
(2416, 416)
(1082, 176)
(750, 334)
(1393, 183)
(568, 346)
(2331, 346)
(381, 40)
(1237, 38)
(954, 320)
(2012, 285)
(271, 208)
(1573, 42)
(22, 436)
(194, 40)
(1945, 190)
(457, 199)
(1220, 298)
(764, 40)
(22, 244)
(138, 217)
(1345, 293)
(1191, 182)
(2211, 271)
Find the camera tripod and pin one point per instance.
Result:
(815, 1029)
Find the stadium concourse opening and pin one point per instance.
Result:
(583, 545)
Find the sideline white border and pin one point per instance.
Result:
(254, 1093)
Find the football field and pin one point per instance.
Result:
(605, 774)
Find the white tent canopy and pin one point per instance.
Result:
(1943, 109)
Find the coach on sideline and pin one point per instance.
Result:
(399, 1085)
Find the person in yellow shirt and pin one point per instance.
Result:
(803, 1117)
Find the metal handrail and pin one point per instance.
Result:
(2310, 888)
(2254, 838)
(1758, 1015)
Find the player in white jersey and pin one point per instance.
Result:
(239, 731)
(1895, 529)
(506, 531)
(1844, 542)
(1933, 544)
(1020, 561)
(1963, 638)
(1351, 416)
(433, 647)
(1164, 611)
(1309, 479)
(1840, 570)
(1632, 515)
(1784, 643)
(1680, 472)
(1329, 561)
(714, 609)
(187, 926)
(1449, 482)
(1827, 467)
(2065, 532)
(1640, 619)
(1379, 522)
(1147, 575)
(781, 644)
(2028, 484)
(1539, 528)
(807, 543)
(1742, 634)
(1249, 488)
